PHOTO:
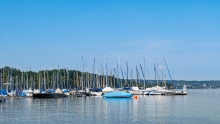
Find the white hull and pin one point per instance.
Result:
(91, 93)
(67, 93)
(12, 94)
(155, 93)
(136, 92)
(29, 94)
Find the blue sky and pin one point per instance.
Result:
(45, 33)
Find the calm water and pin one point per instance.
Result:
(199, 106)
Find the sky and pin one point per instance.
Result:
(42, 34)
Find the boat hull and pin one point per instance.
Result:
(117, 94)
(49, 95)
(91, 93)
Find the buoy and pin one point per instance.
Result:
(135, 97)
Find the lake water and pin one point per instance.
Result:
(198, 107)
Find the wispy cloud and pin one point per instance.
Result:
(147, 43)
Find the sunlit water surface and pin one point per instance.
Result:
(198, 107)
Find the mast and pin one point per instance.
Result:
(149, 77)
(48, 80)
(67, 74)
(10, 78)
(158, 76)
(39, 77)
(155, 75)
(93, 80)
(162, 74)
(131, 79)
(127, 73)
(137, 76)
(3, 74)
(39, 80)
(44, 81)
(58, 80)
(106, 71)
(31, 79)
(144, 75)
(119, 83)
(122, 75)
(34, 82)
(114, 78)
(168, 71)
(82, 70)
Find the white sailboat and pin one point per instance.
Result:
(107, 89)
(135, 91)
(29, 92)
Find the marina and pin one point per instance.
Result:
(109, 62)
(59, 83)
(97, 109)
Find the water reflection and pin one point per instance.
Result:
(198, 107)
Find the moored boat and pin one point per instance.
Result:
(117, 94)
(94, 92)
(107, 89)
(29, 92)
(136, 91)
(49, 95)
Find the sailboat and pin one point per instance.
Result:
(49, 93)
(11, 91)
(115, 94)
(80, 92)
(183, 92)
(30, 91)
(94, 91)
(135, 90)
(106, 89)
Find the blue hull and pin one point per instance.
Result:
(117, 94)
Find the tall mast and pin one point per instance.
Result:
(137, 76)
(39, 80)
(106, 71)
(155, 75)
(67, 74)
(58, 80)
(93, 79)
(118, 65)
(127, 73)
(83, 69)
(162, 74)
(31, 79)
(168, 71)
(114, 78)
(48, 80)
(44, 81)
(149, 77)
(3, 74)
(22, 78)
(11, 78)
(26, 78)
(144, 74)
(131, 79)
